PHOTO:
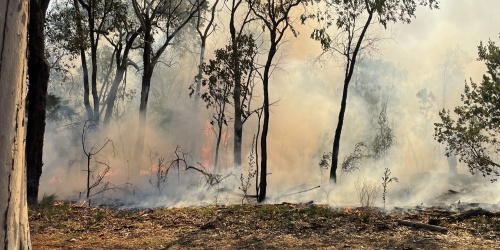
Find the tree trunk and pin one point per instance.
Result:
(112, 95)
(83, 59)
(349, 71)
(121, 67)
(93, 54)
(14, 229)
(217, 144)
(141, 129)
(265, 125)
(38, 73)
(200, 72)
(338, 132)
(146, 83)
(238, 123)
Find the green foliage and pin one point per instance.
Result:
(374, 80)
(245, 184)
(354, 160)
(385, 137)
(62, 22)
(386, 179)
(58, 109)
(221, 73)
(427, 102)
(474, 133)
(344, 14)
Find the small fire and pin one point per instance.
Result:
(148, 171)
(348, 210)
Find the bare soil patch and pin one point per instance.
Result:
(282, 226)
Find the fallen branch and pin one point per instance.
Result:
(299, 192)
(422, 225)
(473, 213)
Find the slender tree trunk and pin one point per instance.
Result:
(146, 83)
(141, 130)
(94, 42)
(38, 73)
(351, 62)
(120, 72)
(14, 229)
(238, 123)
(265, 125)
(93, 50)
(83, 58)
(217, 145)
(121, 67)
(200, 72)
(338, 132)
(86, 88)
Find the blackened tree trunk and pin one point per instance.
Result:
(237, 90)
(238, 122)
(14, 229)
(265, 124)
(110, 102)
(275, 17)
(122, 62)
(146, 84)
(349, 70)
(38, 73)
(83, 58)
(149, 19)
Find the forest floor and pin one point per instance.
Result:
(283, 226)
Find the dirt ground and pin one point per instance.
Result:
(283, 226)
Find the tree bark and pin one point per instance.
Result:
(14, 229)
(38, 73)
(110, 102)
(238, 122)
(83, 58)
(265, 125)
(121, 66)
(146, 84)
(351, 62)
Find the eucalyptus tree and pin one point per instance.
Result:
(123, 41)
(275, 16)
(352, 19)
(237, 31)
(220, 83)
(78, 27)
(161, 22)
(205, 27)
(14, 228)
(474, 131)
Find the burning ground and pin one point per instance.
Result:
(281, 226)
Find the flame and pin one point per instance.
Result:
(208, 147)
(348, 210)
(148, 171)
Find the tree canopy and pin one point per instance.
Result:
(474, 132)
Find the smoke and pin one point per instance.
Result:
(302, 123)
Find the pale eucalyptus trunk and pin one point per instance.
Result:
(14, 229)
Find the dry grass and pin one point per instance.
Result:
(284, 226)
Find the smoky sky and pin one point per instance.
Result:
(308, 93)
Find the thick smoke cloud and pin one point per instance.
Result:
(303, 120)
